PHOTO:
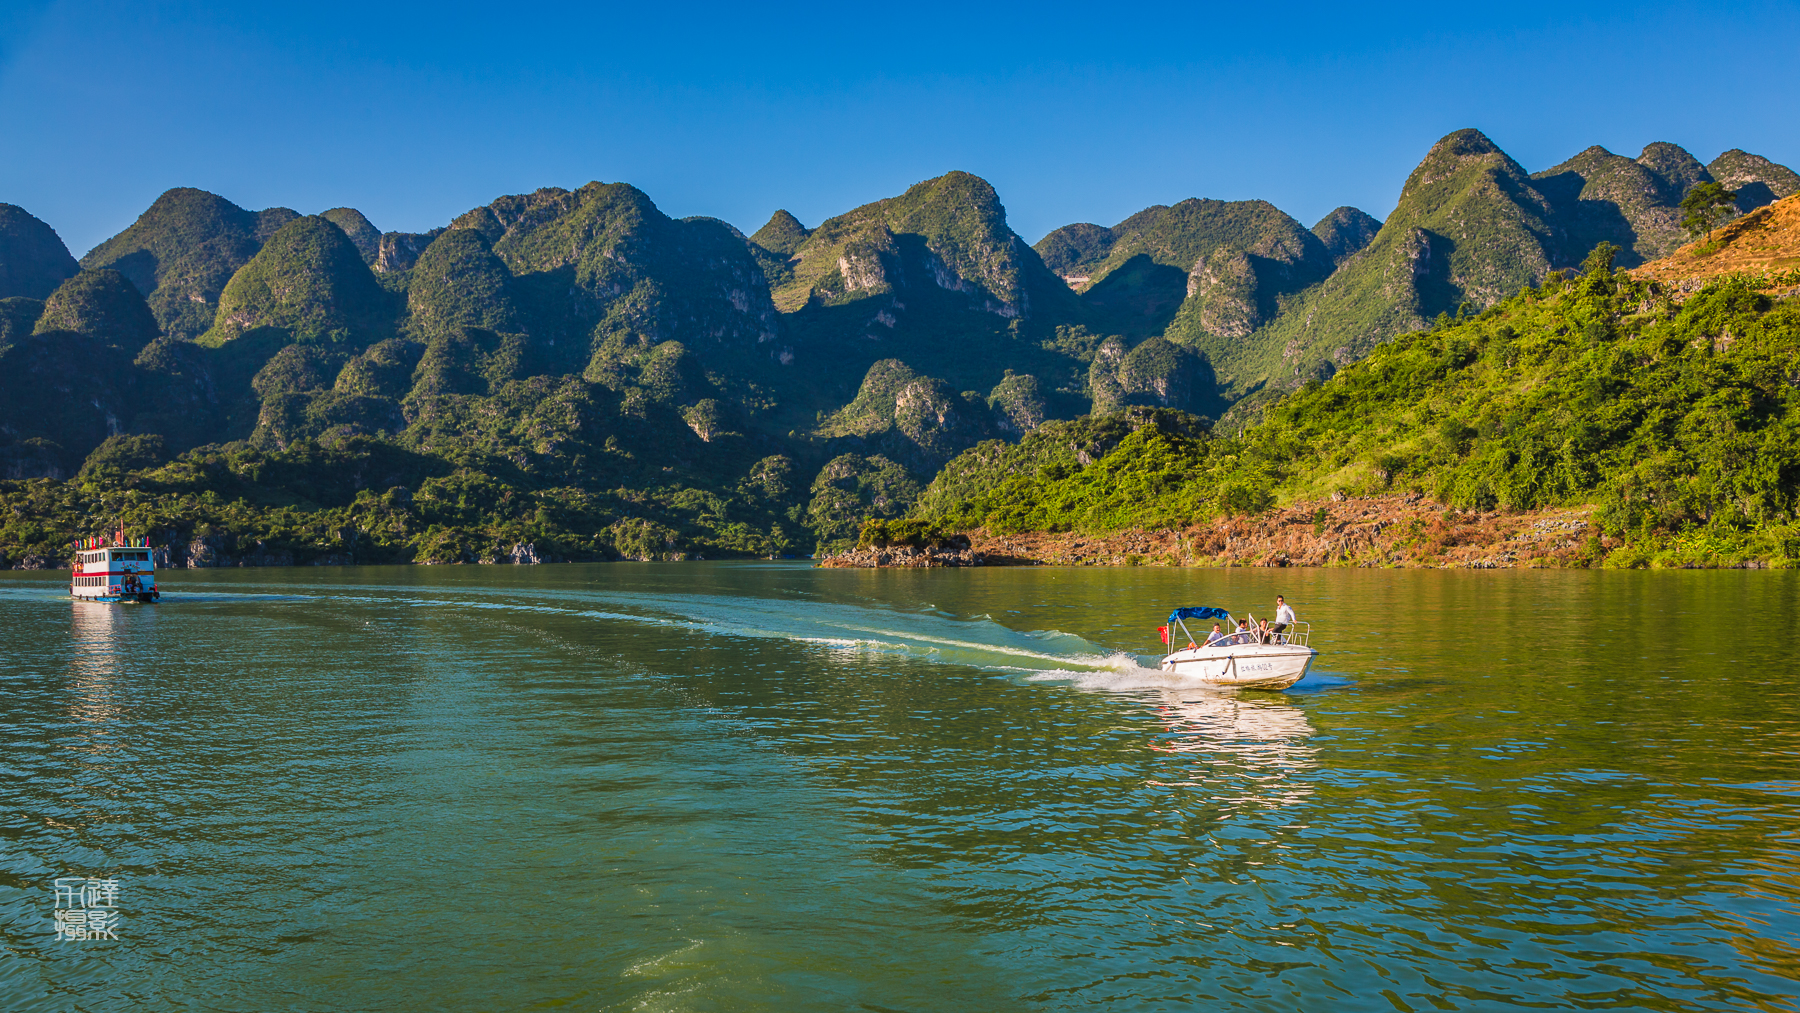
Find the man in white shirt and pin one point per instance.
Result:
(1284, 617)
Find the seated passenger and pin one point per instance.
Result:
(1215, 636)
(1242, 636)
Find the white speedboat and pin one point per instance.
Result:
(1247, 658)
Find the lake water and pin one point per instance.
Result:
(767, 787)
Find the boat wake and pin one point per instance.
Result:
(1116, 673)
(1033, 656)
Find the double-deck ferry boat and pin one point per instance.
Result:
(108, 569)
(1252, 657)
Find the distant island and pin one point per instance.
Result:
(1594, 364)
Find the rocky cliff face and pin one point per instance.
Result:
(1017, 402)
(1222, 294)
(1156, 373)
(399, 251)
(921, 421)
(1190, 267)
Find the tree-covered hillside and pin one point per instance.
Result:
(1678, 417)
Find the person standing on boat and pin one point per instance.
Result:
(1284, 616)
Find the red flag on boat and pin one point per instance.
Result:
(1164, 630)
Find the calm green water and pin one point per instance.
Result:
(767, 787)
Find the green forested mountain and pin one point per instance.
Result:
(182, 252)
(1201, 266)
(575, 370)
(33, 259)
(1756, 180)
(1471, 227)
(1345, 231)
(309, 283)
(360, 231)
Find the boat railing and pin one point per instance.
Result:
(1297, 633)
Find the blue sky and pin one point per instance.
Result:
(415, 113)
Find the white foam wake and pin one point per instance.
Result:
(1116, 673)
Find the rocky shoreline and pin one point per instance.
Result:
(909, 556)
(1373, 531)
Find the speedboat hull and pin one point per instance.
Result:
(1251, 666)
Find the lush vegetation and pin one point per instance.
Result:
(575, 371)
(882, 533)
(370, 501)
(1680, 421)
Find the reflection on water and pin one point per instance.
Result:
(1245, 751)
(699, 787)
(101, 659)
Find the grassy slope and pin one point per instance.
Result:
(1766, 241)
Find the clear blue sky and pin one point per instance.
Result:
(414, 113)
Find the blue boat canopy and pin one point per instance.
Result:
(1203, 612)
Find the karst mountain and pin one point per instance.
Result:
(676, 382)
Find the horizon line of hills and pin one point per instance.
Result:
(593, 341)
